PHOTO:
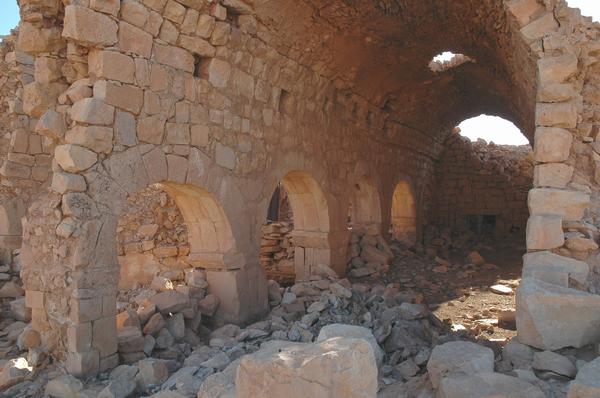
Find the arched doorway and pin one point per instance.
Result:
(404, 215)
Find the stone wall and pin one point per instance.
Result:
(474, 179)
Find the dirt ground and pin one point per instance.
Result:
(459, 292)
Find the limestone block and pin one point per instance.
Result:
(539, 28)
(221, 34)
(11, 169)
(93, 111)
(111, 65)
(544, 232)
(169, 301)
(568, 204)
(47, 69)
(84, 363)
(51, 125)
(243, 84)
(356, 332)
(556, 69)
(587, 382)
(177, 168)
(458, 357)
(135, 13)
(135, 40)
(67, 182)
(554, 269)
(216, 71)
(38, 98)
(556, 92)
(199, 135)
(104, 336)
(554, 175)
(156, 165)
(125, 128)
(152, 372)
(37, 39)
(106, 6)
(487, 385)
(339, 367)
(580, 244)
(525, 10)
(205, 26)
(178, 133)
(127, 97)
(552, 144)
(551, 317)
(174, 12)
(175, 57)
(238, 6)
(130, 339)
(242, 293)
(151, 129)
(225, 156)
(197, 45)
(65, 386)
(74, 158)
(553, 362)
(89, 27)
(96, 138)
(563, 114)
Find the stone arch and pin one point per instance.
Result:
(311, 222)
(211, 239)
(404, 214)
(366, 205)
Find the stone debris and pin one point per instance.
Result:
(277, 251)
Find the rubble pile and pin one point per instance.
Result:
(368, 253)
(277, 252)
(14, 315)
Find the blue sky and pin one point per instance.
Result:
(9, 16)
(487, 127)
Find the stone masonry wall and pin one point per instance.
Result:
(476, 179)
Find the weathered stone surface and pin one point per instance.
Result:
(568, 204)
(97, 138)
(111, 65)
(562, 114)
(135, 40)
(553, 362)
(93, 111)
(343, 367)
(89, 27)
(554, 269)
(544, 232)
(557, 69)
(216, 71)
(38, 98)
(67, 182)
(355, 332)
(151, 129)
(487, 385)
(552, 317)
(74, 158)
(64, 387)
(170, 301)
(552, 144)
(126, 97)
(151, 373)
(553, 175)
(458, 357)
(175, 57)
(36, 39)
(13, 372)
(587, 382)
(51, 125)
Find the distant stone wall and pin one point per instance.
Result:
(475, 179)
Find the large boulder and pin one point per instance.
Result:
(486, 385)
(338, 367)
(587, 382)
(551, 317)
(356, 332)
(459, 357)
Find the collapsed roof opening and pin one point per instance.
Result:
(448, 60)
(492, 129)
